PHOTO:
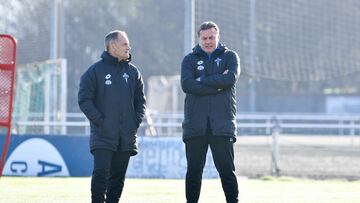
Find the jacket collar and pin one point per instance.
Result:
(197, 50)
(106, 56)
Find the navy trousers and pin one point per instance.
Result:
(107, 181)
(223, 155)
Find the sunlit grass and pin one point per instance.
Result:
(265, 190)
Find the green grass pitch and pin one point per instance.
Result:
(264, 190)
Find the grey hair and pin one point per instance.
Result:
(111, 37)
(208, 25)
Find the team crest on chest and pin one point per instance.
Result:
(126, 77)
(217, 61)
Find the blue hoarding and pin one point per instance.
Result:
(54, 155)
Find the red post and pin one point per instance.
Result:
(7, 77)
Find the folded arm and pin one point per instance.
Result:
(189, 83)
(228, 78)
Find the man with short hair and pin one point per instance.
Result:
(111, 96)
(208, 77)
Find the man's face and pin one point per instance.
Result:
(208, 40)
(122, 47)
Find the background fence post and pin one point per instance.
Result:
(275, 147)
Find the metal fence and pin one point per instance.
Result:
(302, 145)
(169, 124)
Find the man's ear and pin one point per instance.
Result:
(113, 46)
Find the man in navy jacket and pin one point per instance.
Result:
(208, 77)
(111, 96)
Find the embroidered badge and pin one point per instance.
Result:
(108, 82)
(217, 61)
(125, 76)
(200, 68)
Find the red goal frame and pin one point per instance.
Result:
(7, 77)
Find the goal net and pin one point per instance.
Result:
(40, 98)
(288, 40)
(302, 56)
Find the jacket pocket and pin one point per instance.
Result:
(109, 128)
(230, 108)
(131, 124)
(188, 106)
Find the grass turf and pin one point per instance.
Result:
(264, 190)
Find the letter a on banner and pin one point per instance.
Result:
(7, 77)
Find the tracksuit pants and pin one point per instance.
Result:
(108, 175)
(223, 155)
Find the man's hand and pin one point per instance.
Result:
(225, 72)
(198, 79)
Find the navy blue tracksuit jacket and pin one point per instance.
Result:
(111, 95)
(211, 101)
